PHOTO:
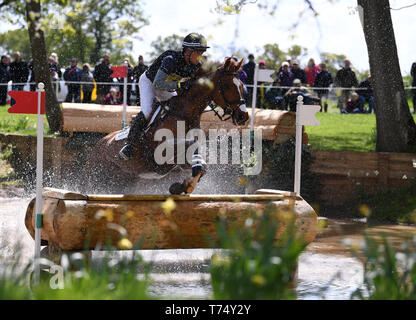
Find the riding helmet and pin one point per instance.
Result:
(195, 42)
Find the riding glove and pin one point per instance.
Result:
(184, 85)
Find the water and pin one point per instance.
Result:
(326, 268)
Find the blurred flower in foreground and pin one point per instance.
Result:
(108, 214)
(258, 280)
(242, 181)
(365, 210)
(125, 244)
(168, 206)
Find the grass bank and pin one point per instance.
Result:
(344, 132)
(25, 124)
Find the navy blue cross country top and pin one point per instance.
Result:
(173, 64)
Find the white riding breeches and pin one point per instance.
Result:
(148, 92)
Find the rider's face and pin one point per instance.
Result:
(196, 57)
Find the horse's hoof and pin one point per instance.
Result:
(177, 188)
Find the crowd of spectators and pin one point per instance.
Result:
(20, 72)
(313, 82)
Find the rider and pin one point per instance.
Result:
(161, 80)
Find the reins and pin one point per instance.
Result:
(227, 109)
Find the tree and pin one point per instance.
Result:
(90, 28)
(172, 42)
(274, 56)
(40, 65)
(30, 12)
(396, 129)
(16, 40)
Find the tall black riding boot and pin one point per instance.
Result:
(135, 137)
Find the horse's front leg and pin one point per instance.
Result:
(199, 167)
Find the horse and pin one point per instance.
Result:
(105, 171)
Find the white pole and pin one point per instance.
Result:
(39, 177)
(124, 122)
(253, 109)
(298, 151)
(254, 100)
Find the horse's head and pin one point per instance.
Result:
(228, 91)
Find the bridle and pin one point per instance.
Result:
(227, 109)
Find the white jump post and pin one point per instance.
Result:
(253, 101)
(39, 177)
(124, 122)
(263, 75)
(305, 115)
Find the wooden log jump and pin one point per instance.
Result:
(276, 125)
(74, 221)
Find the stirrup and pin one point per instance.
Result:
(123, 155)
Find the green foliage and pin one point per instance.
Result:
(16, 40)
(84, 29)
(160, 45)
(274, 56)
(111, 278)
(333, 61)
(256, 266)
(398, 205)
(278, 170)
(388, 274)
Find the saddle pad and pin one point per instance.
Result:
(123, 134)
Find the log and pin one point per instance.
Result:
(276, 125)
(71, 221)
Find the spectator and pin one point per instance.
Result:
(55, 81)
(87, 88)
(298, 73)
(413, 74)
(273, 97)
(285, 77)
(261, 88)
(249, 70)
(55, 66)
(311, 71)
(111, 97)
(72, 74)
(323, 80)
(129, 81)
(367, 94)
(4, 79)
(137, 72)
(102, 73)
(54, 55)
(289, 61)
(291, 96)
(345, 78)
(353, 104)
(19, 72)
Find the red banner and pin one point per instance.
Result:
(119, 72)
(26, 102)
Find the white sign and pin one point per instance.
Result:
(305, 115)
(265, 75)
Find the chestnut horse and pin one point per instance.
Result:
(105, 172)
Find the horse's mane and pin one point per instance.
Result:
(229, 65)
